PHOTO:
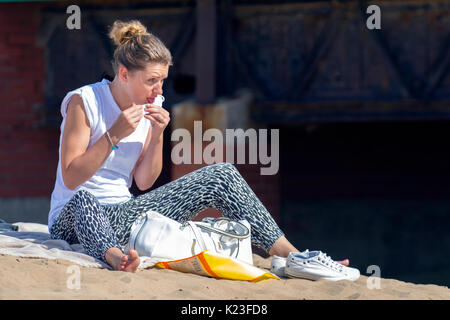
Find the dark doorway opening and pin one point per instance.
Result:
(377, 193)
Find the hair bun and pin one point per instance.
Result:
(121, 32)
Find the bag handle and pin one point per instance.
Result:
(223, 232)
(201, 242)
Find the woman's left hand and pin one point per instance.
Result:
(159, 118)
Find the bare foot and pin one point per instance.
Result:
(344, 262)
(119, 261)
(130, 262)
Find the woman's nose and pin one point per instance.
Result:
(158, 89)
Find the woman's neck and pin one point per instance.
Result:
(119, 95)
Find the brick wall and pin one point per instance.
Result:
(27, 154)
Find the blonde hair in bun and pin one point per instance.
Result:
(136, 46)
(121, 32)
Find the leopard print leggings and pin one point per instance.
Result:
(100, 227)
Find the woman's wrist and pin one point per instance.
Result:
(112, 139)
(156, 139)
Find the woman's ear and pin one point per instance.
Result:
(123, 74)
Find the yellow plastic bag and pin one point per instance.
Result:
(211, 264)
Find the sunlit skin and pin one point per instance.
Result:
(140, 88)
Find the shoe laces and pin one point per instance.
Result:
(324, 258)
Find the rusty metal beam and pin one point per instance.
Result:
(249, 73)
(184, 36)
(205, 90)
(379, 40)
(442, 67)
(321, 47)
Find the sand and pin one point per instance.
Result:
(30, 278)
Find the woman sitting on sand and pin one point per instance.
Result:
(106, 141)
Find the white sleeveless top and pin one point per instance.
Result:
(111, 183)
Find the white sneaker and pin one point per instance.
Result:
(316, 265)
(277, 266)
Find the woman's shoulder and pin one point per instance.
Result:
(90, 92)
(89, 96)
(93, 88)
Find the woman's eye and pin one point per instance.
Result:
(154, 81)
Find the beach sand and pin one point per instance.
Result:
(30, 278)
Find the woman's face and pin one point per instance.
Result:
(144, 85)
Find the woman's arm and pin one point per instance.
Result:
(149, 166)
(78, 164)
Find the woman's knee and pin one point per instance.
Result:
(225, 167)
(227, 175)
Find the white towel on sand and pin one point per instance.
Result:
(33, 240)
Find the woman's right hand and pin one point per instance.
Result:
(127, 122)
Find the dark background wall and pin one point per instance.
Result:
(376, 193)
(363, 114)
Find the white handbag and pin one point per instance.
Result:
(159, 237)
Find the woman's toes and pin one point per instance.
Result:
(133, 254)
(131, 262)
(123, 262)
(345, 262)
